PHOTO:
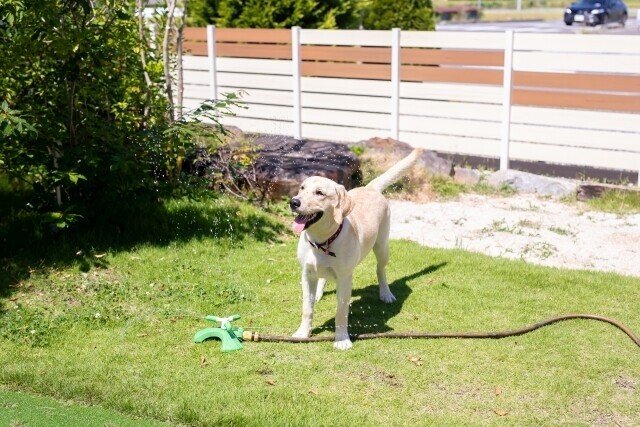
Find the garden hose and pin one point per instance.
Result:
(255, 336)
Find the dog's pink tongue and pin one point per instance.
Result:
(298, 224)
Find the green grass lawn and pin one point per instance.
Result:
(21, 409)
(107, 318)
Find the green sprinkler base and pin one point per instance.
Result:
(229, 336)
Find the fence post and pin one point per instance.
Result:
(395, 83)
(211, 53)
(295, 63)
(506, 100)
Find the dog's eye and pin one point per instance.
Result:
(302, 187)
(319, 193)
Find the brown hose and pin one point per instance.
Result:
(255, 336)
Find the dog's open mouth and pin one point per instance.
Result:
(302, 222)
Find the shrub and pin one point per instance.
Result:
(84, 122)
(73, 72)
(404, 14)
(275, 13)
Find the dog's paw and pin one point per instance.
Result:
(387, 297)
(343, 344)
(302, 333)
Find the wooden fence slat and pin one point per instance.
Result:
(253, 35)
(380, 55)
(450, 75)
(241, 50)
(194, 48)
(589, 101)
(195, 34)
(589, 82)
(267, 51)
(346, 70)
(417, 56)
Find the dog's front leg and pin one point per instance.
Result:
(343, 290)
(309, 285)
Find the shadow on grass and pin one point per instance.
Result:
(27, 246)
(369, 314)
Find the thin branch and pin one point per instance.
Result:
(180, 73)
(165, 55)
(180, 67)
(143, 44)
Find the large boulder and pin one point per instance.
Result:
(284, 162)
(530, 183)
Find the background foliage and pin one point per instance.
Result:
(404, 14)
(368, 14)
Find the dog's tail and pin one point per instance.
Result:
(396, 171)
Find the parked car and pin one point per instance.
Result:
(596, 12)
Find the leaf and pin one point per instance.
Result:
(203, 361)
(500, 412)
(100, 255)
(416, 360)
(271, 381)
(498, 391)
(75, 177)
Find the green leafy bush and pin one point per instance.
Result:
(403, 14)
(72, 71)
(83, 110)
(275, 13)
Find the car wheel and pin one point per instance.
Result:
(623, 20)
(605, 20)
(568, 23)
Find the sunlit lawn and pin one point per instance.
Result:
(108, 318)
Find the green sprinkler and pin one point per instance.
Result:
(229, 336)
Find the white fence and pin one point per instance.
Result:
(562, 98)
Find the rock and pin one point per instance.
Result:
(531, 183)
(466, 175)
(433, 163)
(590, 190)
(283, 163)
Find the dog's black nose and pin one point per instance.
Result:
(294, 203)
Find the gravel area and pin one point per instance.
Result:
(524, 227)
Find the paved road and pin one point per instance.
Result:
(632, 27)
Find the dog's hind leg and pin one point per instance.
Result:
(381, 249)
(320, 289)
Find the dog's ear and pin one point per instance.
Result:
(344, 204)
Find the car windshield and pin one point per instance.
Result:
(588, 2)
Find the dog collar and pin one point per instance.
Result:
(324, 247)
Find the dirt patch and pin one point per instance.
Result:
(625, 383)
(526, 227)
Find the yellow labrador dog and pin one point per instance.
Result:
(337, 230)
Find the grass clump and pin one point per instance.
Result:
(619, 202)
